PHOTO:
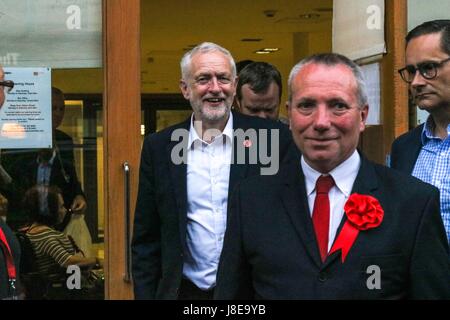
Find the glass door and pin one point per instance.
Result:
(55, 149)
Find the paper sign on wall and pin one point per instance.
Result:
(26, 115)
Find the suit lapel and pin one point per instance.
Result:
(296, 203)
(238, 171)
(366, 183)
(178, 174)
(55, 170)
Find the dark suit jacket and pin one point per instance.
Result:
(161, 211)
(270, 250)
(65, 146)
(406, 149)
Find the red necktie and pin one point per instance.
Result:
(321, 213)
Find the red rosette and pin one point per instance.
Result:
(363, 212)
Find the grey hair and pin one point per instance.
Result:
(332, 59)
(204, 47)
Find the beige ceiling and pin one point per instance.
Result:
(168, 27)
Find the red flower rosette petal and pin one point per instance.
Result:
(363, 211)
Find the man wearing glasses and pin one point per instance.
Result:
(425, 151)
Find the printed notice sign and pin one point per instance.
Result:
(26, 116)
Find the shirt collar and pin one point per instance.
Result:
(227, 131)
(343, 175)
(428, 131)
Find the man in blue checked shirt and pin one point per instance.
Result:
(425, 151)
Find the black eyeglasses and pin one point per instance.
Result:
(7, 85)
(428, 70)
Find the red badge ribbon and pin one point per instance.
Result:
(363, 212)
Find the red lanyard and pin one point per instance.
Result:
(9, 260)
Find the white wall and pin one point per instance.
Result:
(420, 11)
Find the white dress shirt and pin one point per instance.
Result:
(344, 177)
(208, 174)
(44, 170)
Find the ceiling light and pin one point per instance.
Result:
(262, 52)
(271, 49)
(267, 50)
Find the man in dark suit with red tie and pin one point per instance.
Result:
(333, 225)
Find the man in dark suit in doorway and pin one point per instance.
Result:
(333, 225)
(64, 148)
(187, 172)
(425, 151)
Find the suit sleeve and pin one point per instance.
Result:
(288, 150)
(394, 155)
(67, 157)
(234, 273)
(146, 243)
(74, 183)
(430, 268)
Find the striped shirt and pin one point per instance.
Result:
(433, 166)
(52, 249)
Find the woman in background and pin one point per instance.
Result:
(53, 249)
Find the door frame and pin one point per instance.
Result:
(122, 140)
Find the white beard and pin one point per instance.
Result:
(208, 113)
(216, 113)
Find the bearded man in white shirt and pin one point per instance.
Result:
(186, 175)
